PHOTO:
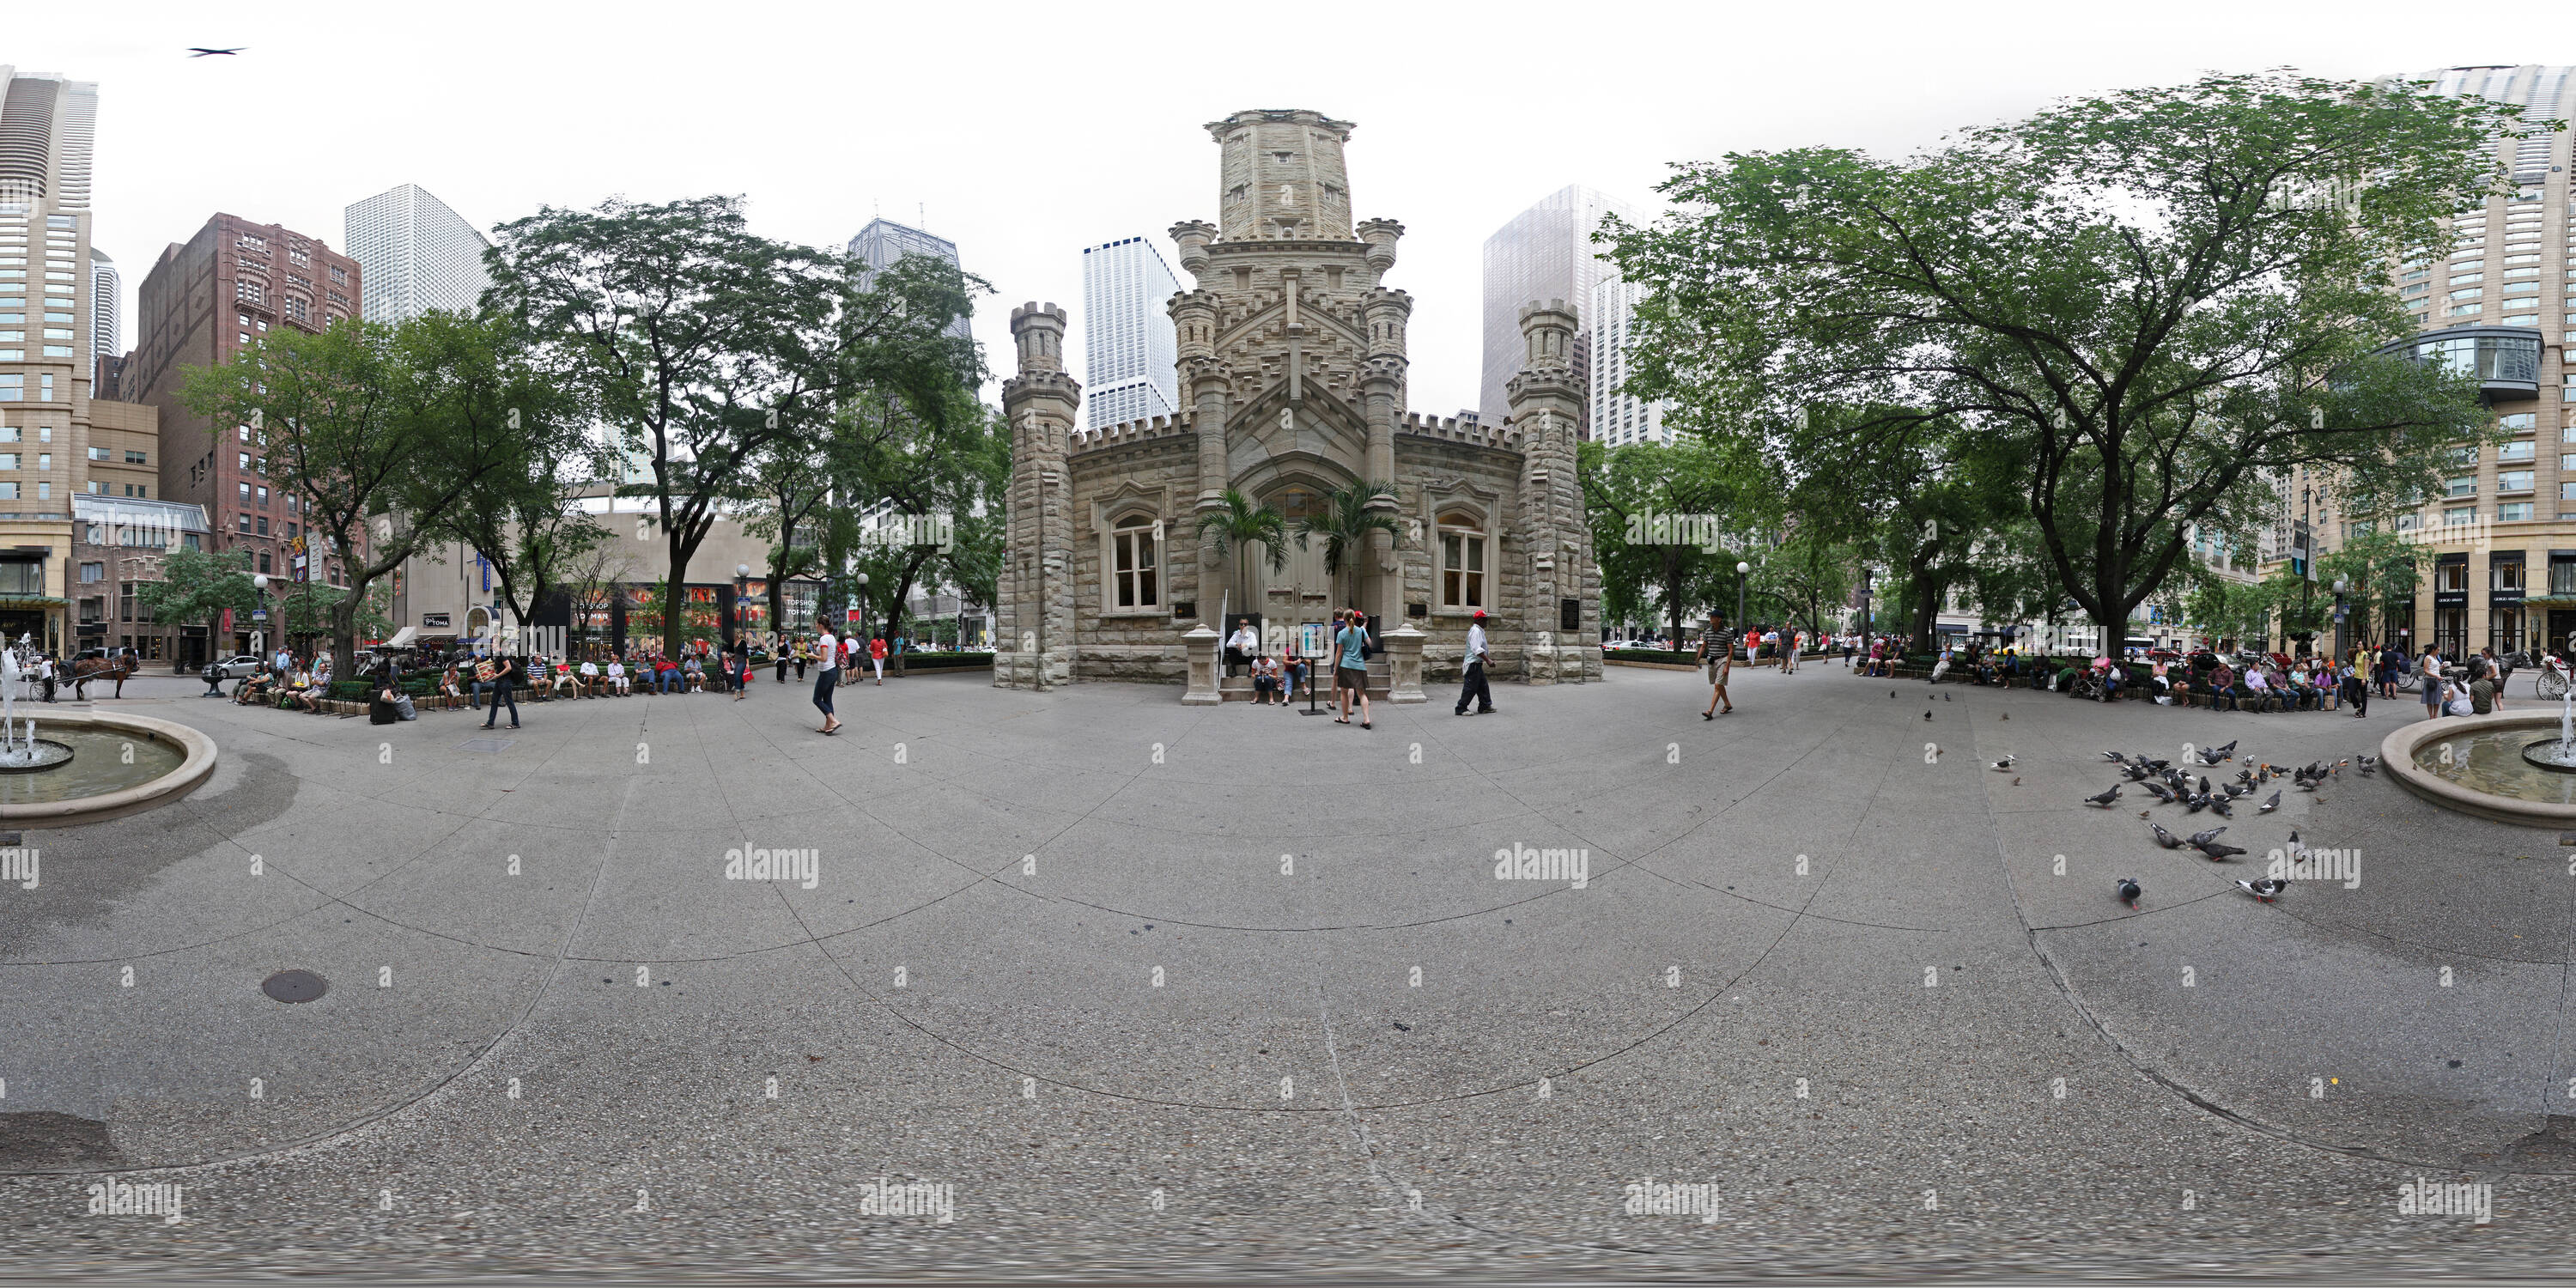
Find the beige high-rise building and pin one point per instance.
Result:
(2499, 299)
(47, 123)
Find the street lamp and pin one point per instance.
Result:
(259, 638)
(863, 605)
(741, 593)
(1742, 568)
(2341, 646)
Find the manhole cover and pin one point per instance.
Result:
(485, 744)
(294, 986)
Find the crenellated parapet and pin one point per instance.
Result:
(1129, 433)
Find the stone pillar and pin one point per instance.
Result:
(1382, 379)
(1201, 642)
(1404, 663)
(1033, 623)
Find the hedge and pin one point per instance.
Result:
(1681, 655)
(935, 661)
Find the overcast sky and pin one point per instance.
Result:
(1026, 132)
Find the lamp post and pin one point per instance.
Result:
(1741, 568)
(741, 593)
(863, 605)
(2341, 646)
(259, 638)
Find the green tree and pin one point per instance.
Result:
(1345, 521)
(1236, 529)
(393, 426)
(314, 611)
(528, 522)
(705, 348)
(196, 586)
(2140, 299)
(2380, 570)
(1666, 524)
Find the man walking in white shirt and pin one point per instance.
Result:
(1475, 686)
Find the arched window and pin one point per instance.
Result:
(1133, 583)
(1462, 561)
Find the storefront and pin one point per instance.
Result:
(2451, 604)
(2505, 585)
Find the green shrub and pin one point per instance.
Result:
(1681, 655)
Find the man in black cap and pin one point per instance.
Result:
(1475, 687)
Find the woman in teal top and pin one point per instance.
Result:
(1350, 669)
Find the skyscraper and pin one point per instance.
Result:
(884, 241)
(1617, 418)
(47, 126)
(106, 294)
(1543, 253)
(2502, 527)
(1129, 351)
(414, 254)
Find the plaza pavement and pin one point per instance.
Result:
(1138, 981)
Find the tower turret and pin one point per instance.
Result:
(1033, 648)
(1564, 583)
(1282, 176)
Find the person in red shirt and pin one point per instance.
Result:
(876, 656)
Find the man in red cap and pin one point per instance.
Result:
(1475, 686)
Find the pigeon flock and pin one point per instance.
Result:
(2170, 784)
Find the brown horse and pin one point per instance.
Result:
(114, 668)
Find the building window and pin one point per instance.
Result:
(2457, 515)
(263, 562)
(133, 457)
(2507, 452)
(2514, 481)
(1462, 561)
(1132, 559)
(2513, 512)
(2465, 485)
(91, 572)
(263, 525)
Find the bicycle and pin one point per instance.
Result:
(2552, 682)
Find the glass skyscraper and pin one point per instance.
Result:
(1129, 350)
(1616, 417)
(1543, 253)
(414, 254)
(884, 241)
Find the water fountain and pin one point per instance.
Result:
(92, 764)
(21, 751)
(2491, 765)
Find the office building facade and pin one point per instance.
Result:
(884, 241)
(414, 255)
(203, 303)
(1617, 418)
(1543, 253)
(1128, 346)
(47, 321)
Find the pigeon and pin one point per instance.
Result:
(2004, 766)
(2263, 888)
(2007, 715)
(2129, 891)
(2235, 790)
(2196, 804)
(2304, 784)
(2245, 775)
(1891, 695)
(2199, 839)
(2369, 764)
(2137, 773)
(2163, 837)
(2155, 764)
(2115, 757)
(2104, 800)
(2269, 804)
(2218, 805)
(1945, 697)
(2163, 795)
(2204, 784)
(1927, 715)
(2219, 851)
(2228, 750)
(200, 51)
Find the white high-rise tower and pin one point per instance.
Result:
(414, 254)
(1129, 350)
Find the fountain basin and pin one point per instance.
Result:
(2488, 773)
(170, 761)
(48, 754)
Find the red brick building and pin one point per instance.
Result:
(202, 303)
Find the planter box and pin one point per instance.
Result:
(1651, 666)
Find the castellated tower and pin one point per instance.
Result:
(1033, 623)
(1293, 364)
(1556, 543)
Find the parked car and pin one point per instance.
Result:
(238, 666)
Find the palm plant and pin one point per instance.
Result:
(1242, 524)
(1345, 521)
